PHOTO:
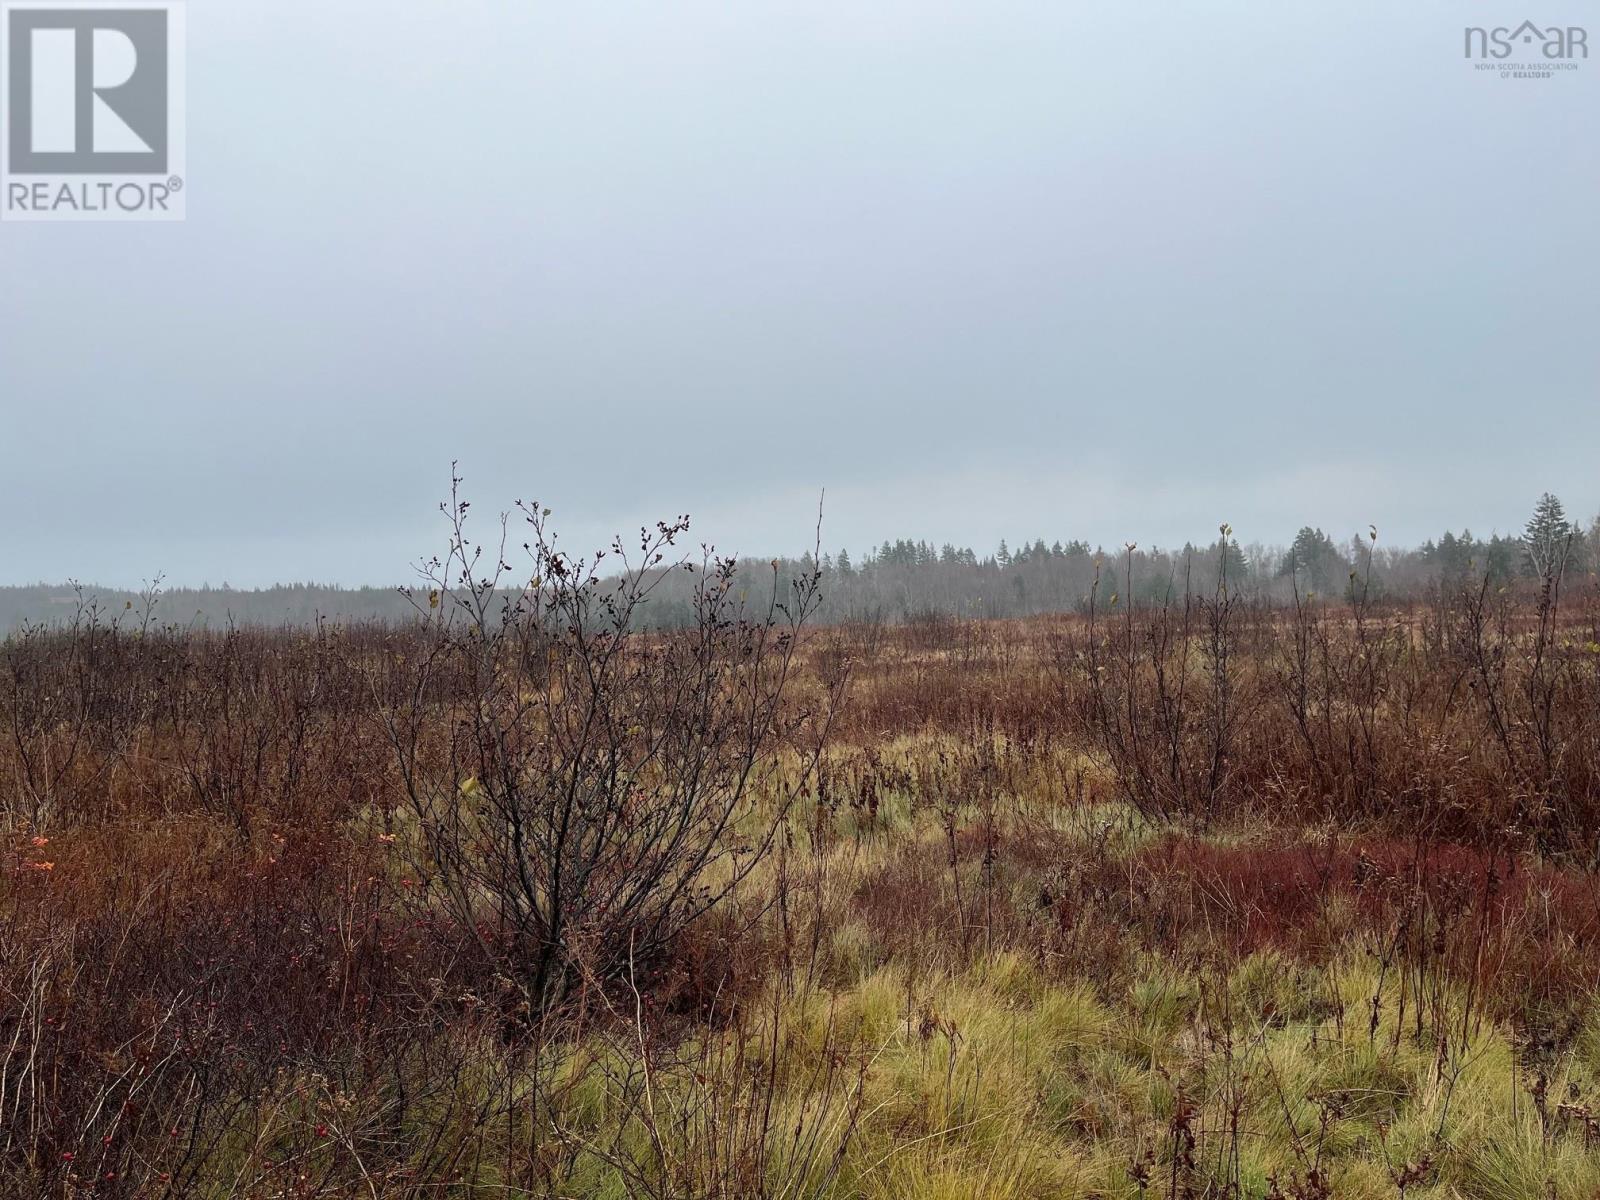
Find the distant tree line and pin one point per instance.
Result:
(912, 579)
(209, 607)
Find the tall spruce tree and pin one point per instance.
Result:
(1546, 538)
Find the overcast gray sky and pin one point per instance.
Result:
(1119, 269)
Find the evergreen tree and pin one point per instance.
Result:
(1546, 538)
(1226, 552)
(1314, 557)
(1453, 556)
(1500, 558)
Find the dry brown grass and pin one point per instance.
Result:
(222, 973)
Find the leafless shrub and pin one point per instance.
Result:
(602, 787)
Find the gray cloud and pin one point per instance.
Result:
(1021, 268)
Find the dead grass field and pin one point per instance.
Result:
(1212, 901)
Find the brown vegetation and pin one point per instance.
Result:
(520, 900)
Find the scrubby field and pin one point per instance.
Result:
(1208, 900)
